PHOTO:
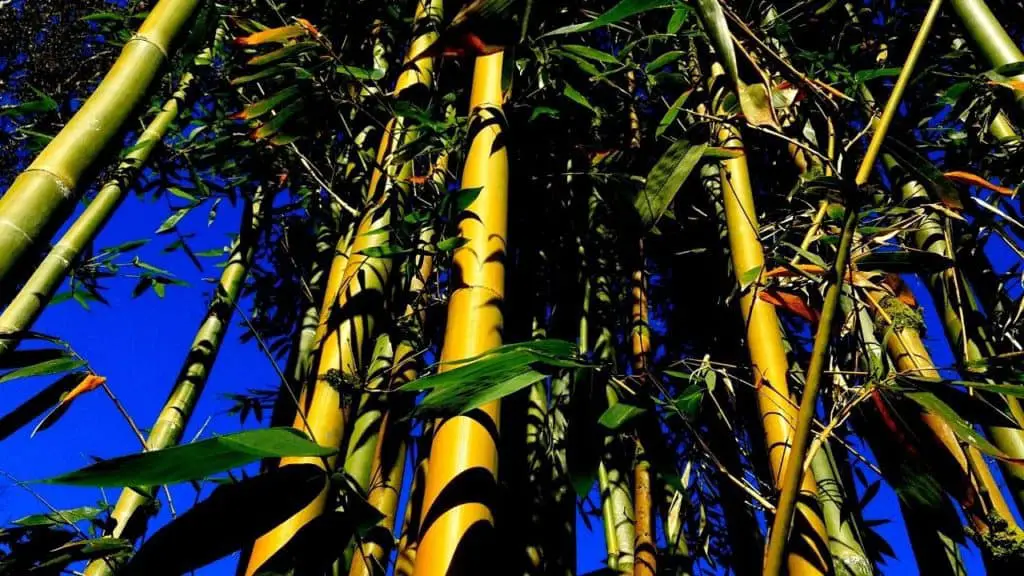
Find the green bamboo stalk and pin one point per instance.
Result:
(30, 207)
(562, 539)
(790, 487)
(844, 543)
(990, 37)
(613, 480)
(174, 417)
(32, 299)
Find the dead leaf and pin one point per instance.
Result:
(975, 180)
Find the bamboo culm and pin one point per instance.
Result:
(30, 207)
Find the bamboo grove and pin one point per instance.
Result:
(628, 287)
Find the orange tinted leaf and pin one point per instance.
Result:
(975, 180)
(282, 34)
(790, 302)
(90, 383)
(308, 27)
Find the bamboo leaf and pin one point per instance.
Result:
(665, 180)
(673, 111)
(664, 60)
(194, 461)
(59, 365)
(281, 53)
(960, 427)
(280, 34)
(473, 382)
(922, 169)
(227, 520)
(590, 53)
(257, 109)
(618, 415)
(39, 403)
(688, 403)
(575, 95)
(357, 73)
(23, 358)
(717, 29)
(62, 518)
(617, 13)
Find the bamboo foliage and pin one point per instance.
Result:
(30, 207)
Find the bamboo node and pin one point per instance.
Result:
(141, 38)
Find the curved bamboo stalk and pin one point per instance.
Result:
(30, 207)
(790, 486)
(457, 530)
(613, 471)
(768, 356)
(33, 297)
(131, 511)
(350, 322)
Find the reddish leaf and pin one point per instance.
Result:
(792, 303)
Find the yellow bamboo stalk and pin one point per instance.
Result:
(463, 455)
(768, 356)
(344, 348)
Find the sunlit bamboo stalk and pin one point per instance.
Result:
(347, 344)
(464, 448)
(767, 353)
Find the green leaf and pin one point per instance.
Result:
(540, 111)
(590, 53)
(673, 111)
(962, 428)
(749, 277)
(264, 106)
(101, 16)
(470, 383)
(63, 517)
(281, 53)
(23, 358)
(664, 60)
(359, 73)
(275, 124)
(385, 251)
(679, 16)
(617, 13)
(265, 73)
(618, 415)
(715, 26)
(172, 221)
(869, 75)
(64, 363)
(900, 261)
(688, 403)
(449, 244)
(194, 461)
(575, 95)
(1010, 70)
(665, 180)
